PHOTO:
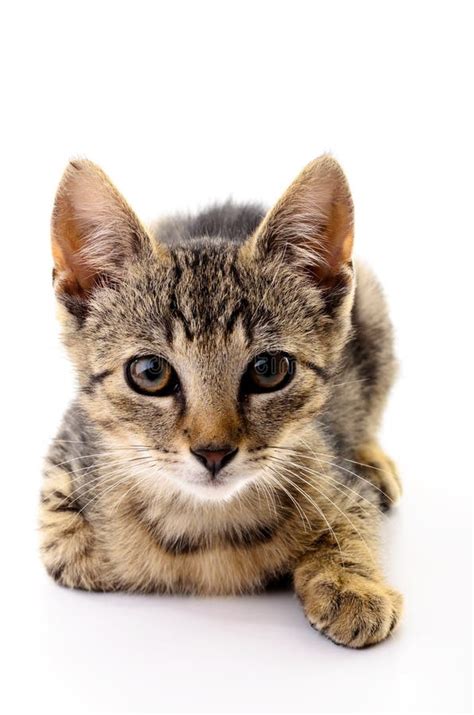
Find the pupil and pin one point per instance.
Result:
(154, 367)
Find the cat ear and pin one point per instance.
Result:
(312, 223)
(94, 231)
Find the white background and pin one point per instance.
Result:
(183, 103)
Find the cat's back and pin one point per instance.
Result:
(367, 369)
(230, 221)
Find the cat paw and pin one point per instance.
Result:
(382, 472)
(74, 574)
(353, 610)
(67, 542)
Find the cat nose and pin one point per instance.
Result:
(214, 458)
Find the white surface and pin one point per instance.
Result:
(183, 103)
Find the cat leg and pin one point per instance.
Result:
(342, 590)
(68, 544)
(382, 472)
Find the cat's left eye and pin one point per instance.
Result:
(151, 375)
(268, 372)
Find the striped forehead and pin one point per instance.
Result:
(207, 295)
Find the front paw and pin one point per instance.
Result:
(70, 558)
(382, 472)
(352, 610)
(68, 545)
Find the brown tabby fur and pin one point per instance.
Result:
(125, 505)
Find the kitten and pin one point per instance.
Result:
(232, 372)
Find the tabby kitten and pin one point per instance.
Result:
(232, 371)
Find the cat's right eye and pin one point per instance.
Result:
(268, 372)
(151, 375)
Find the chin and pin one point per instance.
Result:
(220, 490)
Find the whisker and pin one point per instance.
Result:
(349, 382)
(81, 441)
(81, 457)
(269, 497)
(308, 470)
(299, 508)
(104, 477)
(128, 476)
(354, 474)
(318, 509)
(83, 471)
(325, 496)
(318, 457)
(136, 483)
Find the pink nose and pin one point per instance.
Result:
(214, 458)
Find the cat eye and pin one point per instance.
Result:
(268, 372)
(151, 375)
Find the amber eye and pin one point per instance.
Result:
(151, 375)
(268, 372)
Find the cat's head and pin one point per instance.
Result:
(203, 357)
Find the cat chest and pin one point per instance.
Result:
(234, 561)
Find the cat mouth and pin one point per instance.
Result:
(216, 482)
(219, 487)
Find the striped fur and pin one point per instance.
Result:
(125, 505)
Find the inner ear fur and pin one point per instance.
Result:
(311, 225)
(94, 232)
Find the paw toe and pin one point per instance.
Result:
(355, 615)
